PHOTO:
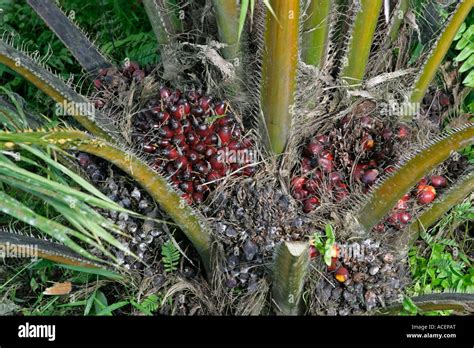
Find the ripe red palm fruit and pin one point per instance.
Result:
(205, 102)
(164, 93)
(162, 116)
(423, 182)
(311, 185)
(335, 178)
(403, 217)
(359, 171)
(326, 155)
(216, 162)
(170, 153)
(97, 83)
(197, 111)
(210, 139)
(368, 142)
(224, 135)
(326, 164)
(170, 169)
(406, 197)
(430, 188)
(213, 175)
(233, 145)
(175, 96)
(333, 265)
(193, 95)
(403, 131)
(220, 108)
(177, 112)
(203, 130)
(223, 121)
(165, 132)
(181, 162)
(186, 186)
(202, 167)
(149, 148)
(188, 198)
(438, 181)
(300, 194)
(342, 274)
(313, 252)
(210, 151)
(200, 188)
(200, 147)
(236, 132)
(426, 197)
(323, 139)
(401, 205)
(198, 197)
(174, 124)
(313, 149)
(191, 138)
(249, 171)
(305, 165)
(178, 139)
(370, 176)
(297, 183)
(310, 204)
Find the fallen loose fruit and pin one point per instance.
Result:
(342, 274)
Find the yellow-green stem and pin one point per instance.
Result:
(438, 53)
(289, 272)
(360, 42)
(314, 43)
(397, 20)
(227, 17)
(280, 58)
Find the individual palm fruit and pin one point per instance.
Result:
(438, 181)
(342, 274)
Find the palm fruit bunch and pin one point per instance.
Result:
(356, 152)
(424, 193)
(194, 140)
(366, 277)
(191, 137)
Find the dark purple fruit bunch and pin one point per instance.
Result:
(358, 150)
(193, 139)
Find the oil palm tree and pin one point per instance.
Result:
(289, 70)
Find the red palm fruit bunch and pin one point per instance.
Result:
(424, 193)
(357, 150)
(191, 137)
(195, 140)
